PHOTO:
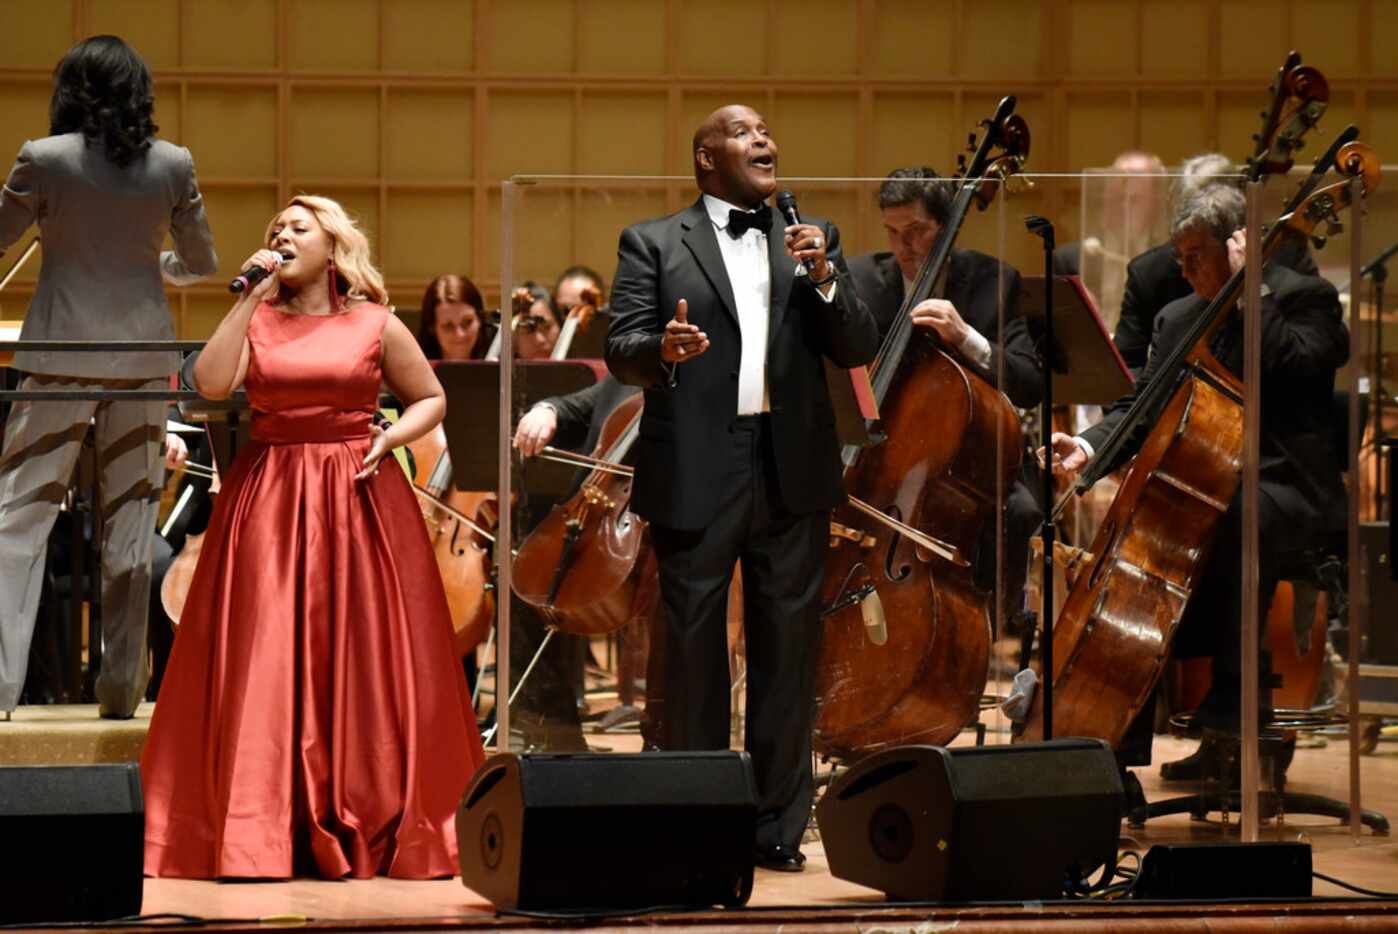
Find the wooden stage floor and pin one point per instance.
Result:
(814, 900)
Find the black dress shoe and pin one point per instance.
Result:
(780, 859)
(1194, 767)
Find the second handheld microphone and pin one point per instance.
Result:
(251, 276)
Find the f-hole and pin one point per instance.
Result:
(895, 568)
(452, 547)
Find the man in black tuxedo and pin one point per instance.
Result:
(737, 458)
(914, 205)
(1304, 341)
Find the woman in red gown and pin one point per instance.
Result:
(314, 718)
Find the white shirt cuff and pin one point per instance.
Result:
(1081, 442)
(976, 348)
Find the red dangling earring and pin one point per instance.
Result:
(334, 289)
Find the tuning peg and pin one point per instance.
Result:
(1318, 242)
(1333, 227)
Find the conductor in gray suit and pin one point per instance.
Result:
(105, 194)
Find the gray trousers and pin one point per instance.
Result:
(42, 442)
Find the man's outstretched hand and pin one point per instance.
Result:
(682, 341)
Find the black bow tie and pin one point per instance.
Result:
(739, 222)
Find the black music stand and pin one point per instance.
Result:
(590, 343)
(1087, 368)
(1081, 367)
(473, 428)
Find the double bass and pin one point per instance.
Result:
(1113, 636)
(901, 549)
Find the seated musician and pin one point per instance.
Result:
(1304, 341)
(568, 289)
(914, 204)
(1154, 279)
(589, 343)
(453, 329)
(452, 326)
(536, 329)
(575, 422)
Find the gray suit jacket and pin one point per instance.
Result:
(102, 228)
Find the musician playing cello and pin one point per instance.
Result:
(914, 204)
(737, 457)
(1304, 342)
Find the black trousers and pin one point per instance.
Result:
(782, 556)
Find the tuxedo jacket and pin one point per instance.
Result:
(103, 226)
(690, 408)
(1154, 280)
(1304, 341)
(975, 285)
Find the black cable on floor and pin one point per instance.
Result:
(1354, 888)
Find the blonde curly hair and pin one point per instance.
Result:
(355, 275)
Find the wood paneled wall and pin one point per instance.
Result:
(411, 112)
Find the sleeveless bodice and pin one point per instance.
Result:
(314, 378)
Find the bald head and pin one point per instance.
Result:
(1137, 162)
(735, 157)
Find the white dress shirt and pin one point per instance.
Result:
(751, 277)
(750, 274)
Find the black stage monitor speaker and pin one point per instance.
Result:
(74, 843)
(596, 831)
(976, 823)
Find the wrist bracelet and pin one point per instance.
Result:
(821, 283)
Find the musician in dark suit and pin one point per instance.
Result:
(914, 206)
(575, 422)
(1304, 342)
(1154, 279)
(737, 457)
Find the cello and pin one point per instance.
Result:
(588, 566)
(1113, 636)
(459, 525)
(901, 548)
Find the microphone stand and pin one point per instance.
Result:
(1043, 228)
(1378, 272)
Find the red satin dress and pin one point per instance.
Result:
(314, 718)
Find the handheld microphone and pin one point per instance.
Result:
(251, 276)
(786, 203)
